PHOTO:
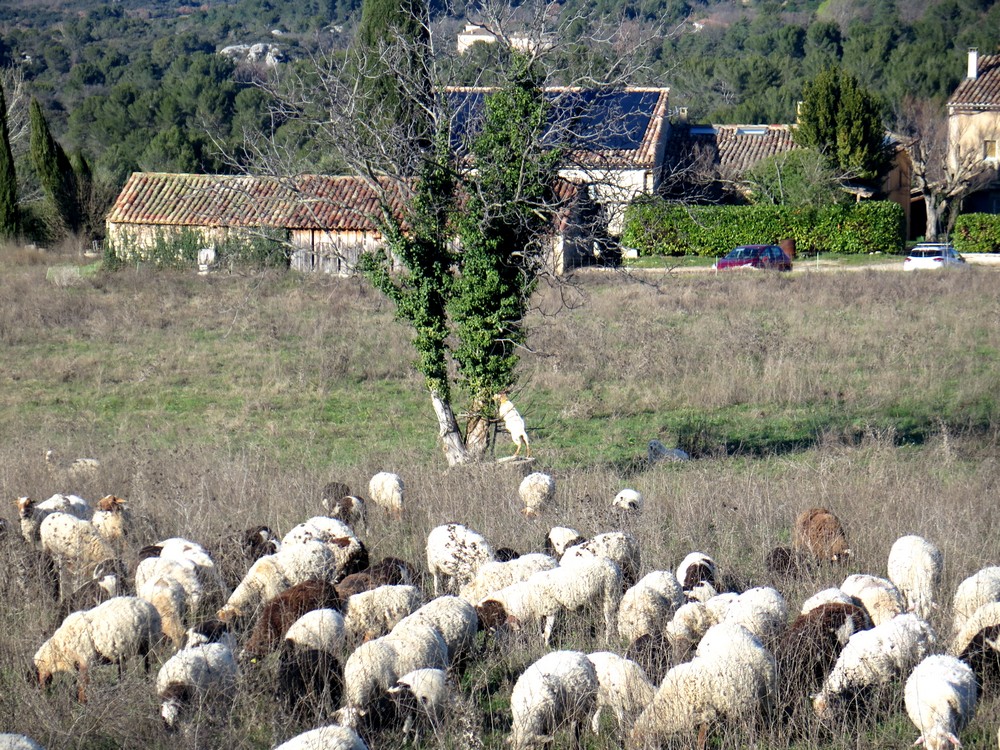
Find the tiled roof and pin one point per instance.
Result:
(305, 202)
(981, 92)
(619, 128)
(733, 148)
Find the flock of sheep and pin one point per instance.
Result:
(686, 652)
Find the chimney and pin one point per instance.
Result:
(973, 73)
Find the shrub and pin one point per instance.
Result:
(977, 233)
(657, 227)
(179, 249)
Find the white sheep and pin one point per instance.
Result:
(386, 492)
(649, 604)
(977, 643)
(272, 574)
(514, 422)
(827, 596)
(454, 555)
(375, 612)
(376, 665)
(940, 698)
(201, 674)
(32, 514)
(320, 630)
(980, 588)
(112, 519)
(18, 742)
(422, 693)
(629, 500)
(622, 687)
(493, 576)
(762, 610)
(874, 657)
(731, 678)
(621, 547)
(454, 618)
(561, 538)
(114, 632)
(537, 490)
(75, 544)
(309, 659)
(879, 596)
(171, 599)
(349, 553)
(195, 569)
(332, 737)
(351, 509)
(914, 566)
(559, 689)
(697, 568)
(590, 583)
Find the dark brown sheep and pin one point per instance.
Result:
(819, 533)
(389, 571)
(281, 611)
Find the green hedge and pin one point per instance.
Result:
(977, 233)
(179, 249)
(657, 227)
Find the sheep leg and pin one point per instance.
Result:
(595, 721)
(702, 736)
(550, 621)
(82, 680)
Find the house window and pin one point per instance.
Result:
(990, 150)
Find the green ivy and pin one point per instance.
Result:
(658, 227)
(179, 249)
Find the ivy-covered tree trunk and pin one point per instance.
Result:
(9, 217)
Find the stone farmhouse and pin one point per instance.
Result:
(327, 221)
(974, 130)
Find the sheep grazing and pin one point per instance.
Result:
(819, 533)
(620, 547)
(272, 574)
(695, 569)
(112, 520)
(589, 584)
(76, 470)
(831, 595)
(373, 613)
(514, 422)
(389, 571)
(560, 689)
(622, 686)
(196, 570)
(282, 610)
(32, 514)
(454, 618)
(331, 737)
(309, 672)
(914, 566)
(537, 491)
(629, 500)
(730, 679)
(880, 598)
(978, 644)
(454, 555)
(107, 581)
(375, 666)
(982, 587)
(352, 510)
(762, 610)
(940, 698)
(349, 553)
(806, 652)
(112, 632)
(496, 575)
(201, 675)
(649, 604)
(560, 538)
(386, 492)
(425, 698)
(331, 493)
(873, 658)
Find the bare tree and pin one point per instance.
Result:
(475, 164)
(948, 164)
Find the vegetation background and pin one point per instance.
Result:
(216, 403)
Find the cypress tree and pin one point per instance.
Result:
(54, 170)
(9, 219)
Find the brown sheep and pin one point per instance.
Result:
(282, 610)
(807, 651)
(818, 532)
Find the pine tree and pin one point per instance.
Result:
(9, 218)
(54, 170)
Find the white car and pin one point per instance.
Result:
(932, 255)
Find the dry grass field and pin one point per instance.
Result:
(218, 403)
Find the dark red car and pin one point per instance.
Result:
(755, 256)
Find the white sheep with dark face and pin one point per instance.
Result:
(629, 500)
